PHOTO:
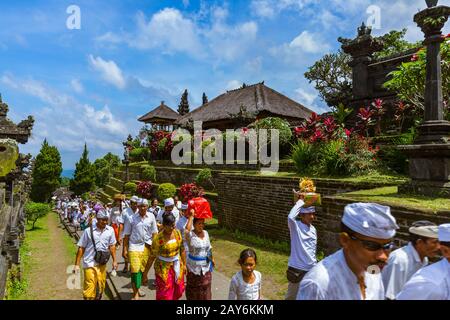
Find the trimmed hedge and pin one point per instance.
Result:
(166, 190)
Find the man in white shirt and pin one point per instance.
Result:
(169, 206)
(155, 209)
(403, 263)
(95, 274)
(303, 246)
(433, 281)
(181, 224)
(116, 219)
(139, 233)
(127, 214)
(353, 273)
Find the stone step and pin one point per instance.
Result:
(104, 197)
(111, 191)
(116, 183)
(119, 174)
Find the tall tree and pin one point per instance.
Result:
(183, 107)
(205, 99)
(84, 177)
(46, 173)
(104, 168)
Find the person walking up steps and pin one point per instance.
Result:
(95, 246)
(139, 233)
(199, 261)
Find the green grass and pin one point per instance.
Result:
(18, 289)
(390, 196)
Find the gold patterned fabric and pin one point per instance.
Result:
(167, 249)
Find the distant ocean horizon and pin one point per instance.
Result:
(68, 173)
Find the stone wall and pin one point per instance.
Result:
(328, 223)
(260, 205)
(12, 230)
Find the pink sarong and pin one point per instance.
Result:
(172, 290)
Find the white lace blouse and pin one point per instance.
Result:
(198, 248)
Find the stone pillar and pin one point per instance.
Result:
(429, 157)
(361, 50)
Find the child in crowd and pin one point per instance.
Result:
(246, 284)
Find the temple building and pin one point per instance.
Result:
(160, 118)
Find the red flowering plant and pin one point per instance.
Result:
(144, 189)
(160, 144)
(190, 191)
(365, 120)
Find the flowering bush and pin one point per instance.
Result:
(409, 80)
(144, 189)
(190, 191)
(160, 144)
(319, 129)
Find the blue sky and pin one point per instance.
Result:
(90, 85)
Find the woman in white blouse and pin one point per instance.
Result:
(199, 261)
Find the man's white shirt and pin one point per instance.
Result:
(103, 240)
(402, 264)
(332, 279)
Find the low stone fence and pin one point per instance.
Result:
(328, 223)
(260, 205)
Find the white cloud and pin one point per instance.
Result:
(109, 71)
(306, 46)
(77, 86)
(234, 84)
(307, 98)
(67, 124)
(263, 8)
(169, 31)
(309, 42)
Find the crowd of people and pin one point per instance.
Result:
(172, 240)
(169, 238)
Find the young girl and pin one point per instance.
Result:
(246, 284)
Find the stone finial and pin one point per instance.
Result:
(364, 30)
(432, 3)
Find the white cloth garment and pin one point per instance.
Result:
(181, 225)
(402, 264)
(155, 211)
(175, 213)
(241, 290)
(444, 232)
(303, 241)
(127, 214)
(115, 216)
(332, 279)
(103, 240)
(200, 248)
(370, 219)
(429, 283)
(141, 230)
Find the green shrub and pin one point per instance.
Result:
(34, 211)
(130, 187)
(166, 190)
(162, 145)
(285, 132)
(139, 154)
(393, 158)
(148, 173)
(333, 160)
(304, 156)
(203, 177)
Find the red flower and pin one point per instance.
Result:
(317, 136)
(245, 130)
(415, 57)
(348, 133)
